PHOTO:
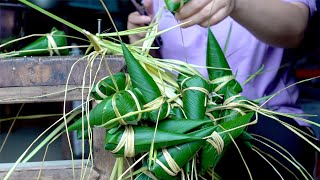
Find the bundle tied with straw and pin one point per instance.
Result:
(109, 85)
(47, 45)
(177, 141)
(110, 111)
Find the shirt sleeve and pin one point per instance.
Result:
(310, 3)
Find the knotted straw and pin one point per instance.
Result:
(116, 111)
(216, 141)
(156, 103)
(52, 46)
(126, 141)
(97, 87)
(174, 167)
(231, 101)
(222, 81)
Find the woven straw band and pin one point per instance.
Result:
(116, 111)
(52, 46)
(174, 167)
(222, 81)
(216, 141)
(126, 141)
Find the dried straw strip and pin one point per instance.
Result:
(126, 141)
(174, 167)
(222, 81)
(216, 141)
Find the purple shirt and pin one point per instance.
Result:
(245, 55)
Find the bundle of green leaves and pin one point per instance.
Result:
(140, 118)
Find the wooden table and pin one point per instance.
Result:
(30, 80)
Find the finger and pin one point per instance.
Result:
(191, 8)
(216, 18)
(203, 15)
(136, 18)
(148, 5)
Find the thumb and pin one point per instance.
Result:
(148, 5)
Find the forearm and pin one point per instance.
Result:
(273, 21)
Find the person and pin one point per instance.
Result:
(261, 31)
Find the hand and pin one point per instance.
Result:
(205, 12)
(136, 20)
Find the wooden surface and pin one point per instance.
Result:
(44, 79)
(103, 160)
(53, 170)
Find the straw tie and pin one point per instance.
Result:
(222, 81)
(99, 84)
(231, 101)
(97, 88)
(128, 80)
(126, 141)
(156, 103)
(174, 167)
(216, 141)
(52, 46)
(116, 111)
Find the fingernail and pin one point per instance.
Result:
(147, 18)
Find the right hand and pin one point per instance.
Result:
(136, 20)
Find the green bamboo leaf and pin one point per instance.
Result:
(144, 137)
(143, 176)
(209, 156)
(181, 154)
(142, 80)
(219, 71)
(122, 101)
(173, 6)
(184, 125)
(105, 87)
(86, 134)
(42, 45)
(176, 113)
(195, 91)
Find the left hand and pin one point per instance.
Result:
(205, 12)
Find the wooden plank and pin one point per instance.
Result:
(103, 160)
(53, 71)
(51, 170)
(12, 95)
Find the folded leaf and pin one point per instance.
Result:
(219, 71)
(180, 155)
(209, 156)
(123, 102)
(182, 125)
(143, 138)
(106, 87)
(142, 80)
(195, 91)
(45, 45)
